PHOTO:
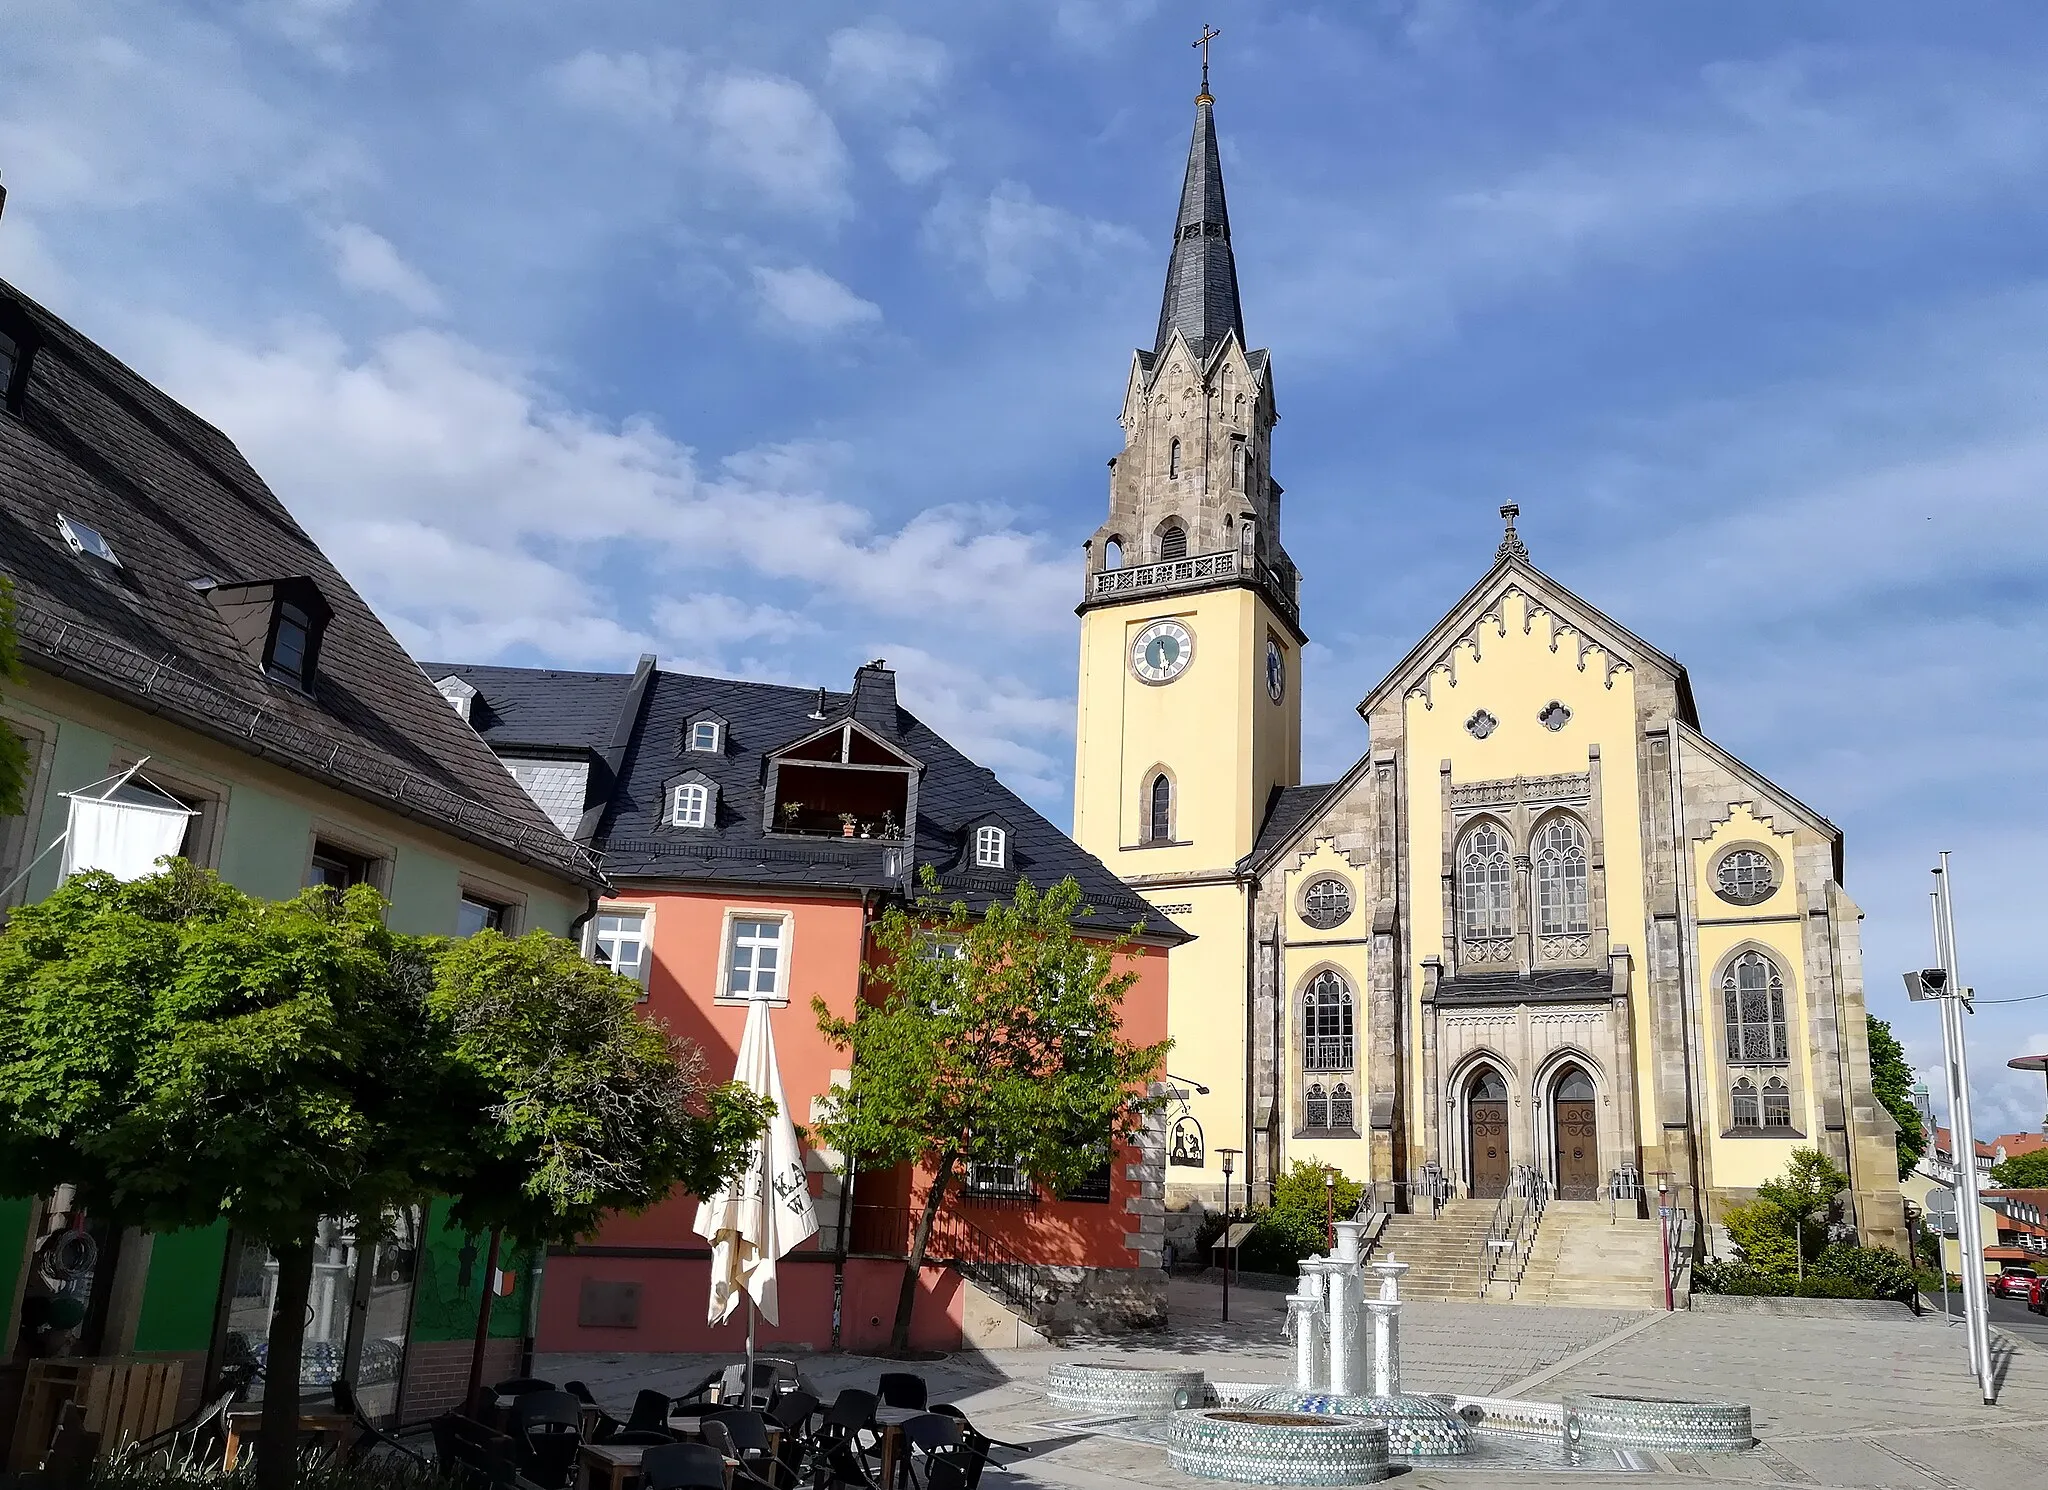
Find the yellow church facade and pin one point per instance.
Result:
(1544, 927)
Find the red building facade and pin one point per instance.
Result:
(753, 834)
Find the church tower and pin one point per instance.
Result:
(1190, 698)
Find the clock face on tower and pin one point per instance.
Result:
(1276, 671)
(1161, 652)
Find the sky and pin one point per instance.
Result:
(772, 339)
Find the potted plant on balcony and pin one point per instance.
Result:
(789, 811)
(847, 820)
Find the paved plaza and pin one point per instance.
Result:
(1863, 1402)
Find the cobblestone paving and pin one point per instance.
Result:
(1838, 1403)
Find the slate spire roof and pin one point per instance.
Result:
(1201, 278)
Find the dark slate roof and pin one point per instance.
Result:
(1201, 277)
(567, 712)
(1558, 985)
(761, 718)
(176, 501)
(1287, 809)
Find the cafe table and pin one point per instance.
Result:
(890, 1421)
(335, 1427)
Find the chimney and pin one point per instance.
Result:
(874, 697)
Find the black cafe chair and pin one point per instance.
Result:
(904, 1389)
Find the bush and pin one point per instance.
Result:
(1740, 1278)
(1825, 1286)
(1884, 1273)
(1762, 1235)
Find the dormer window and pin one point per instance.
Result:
(280, 621)
(461, 696)
(842, 781)
(17, 350)
(291, 645)
(991, 847)
(704, 736)
(690, 806)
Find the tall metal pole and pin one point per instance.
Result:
(1975, 1303)
(1948, 1081)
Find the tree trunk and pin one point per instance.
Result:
(913, 1267)
(472, 1398)
(277, 1444)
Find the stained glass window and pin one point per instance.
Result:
(1326, 903)
(1753, 1003)
(1327, 1024)
(1561, 902)
(1746, 877)
(1484, 895)
(1341, 1114)
(1316, 1108)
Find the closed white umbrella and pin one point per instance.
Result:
(766, 1210)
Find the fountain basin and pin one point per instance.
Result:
(1417, 1426)
(1276, 1448)
(1102, 1387)
(1646, 1422)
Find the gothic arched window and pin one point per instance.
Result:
(1485, 898)
(1237, 472)
(1561, 908)
(1753, 1002)
(1777, 1104)
(1742, 1109)
(1113, 554)
(1326, 1024)
(1173, 460)
(1159, 810)
(1173, 541)
(1341, 1113)
(1316, 1108)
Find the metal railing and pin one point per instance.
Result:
(1511, 1234)
(1428, 1190)
(1625, 1183)
(1194, 570)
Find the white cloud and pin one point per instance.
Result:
(760, 130)
(988, 715)
(366, 260)
(710, 621)
(810, 302)
(319, 28)
(1094, 24)
(914, 156)
(883, 68)
(478, 512)
(1012, 241)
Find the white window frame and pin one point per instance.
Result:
(624, 908)
(679, 793)
(728, 939)
(717, 737)
(991, 846)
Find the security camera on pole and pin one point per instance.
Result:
(1945, 989)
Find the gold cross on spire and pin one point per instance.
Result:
(1208, 35)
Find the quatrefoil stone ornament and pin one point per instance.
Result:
(1555, 716)
(1482, 724)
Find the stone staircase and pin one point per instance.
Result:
(1446, 1255)
(1581, 1260)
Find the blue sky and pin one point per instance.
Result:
(775, 343)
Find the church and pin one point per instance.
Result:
(1544, 933)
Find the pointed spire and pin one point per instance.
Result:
(1201, 277)
(1511, 545)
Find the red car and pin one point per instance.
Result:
(2037, 1297)
(2013, 1285)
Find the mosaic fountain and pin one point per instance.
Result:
(1345, 1419)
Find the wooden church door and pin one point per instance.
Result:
(1575, 1126)
(1486, 1110)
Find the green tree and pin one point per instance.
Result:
(995, 1039)
(1892, 1080)
(1762, 1235)
(1804, 1196)
(13, 755)
(2022, 1171)
(184, 1053)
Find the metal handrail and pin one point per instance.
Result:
(1503, 1229)
(1681, 1249)
(1532, 1218)
(1625, 1183)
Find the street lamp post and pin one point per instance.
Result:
(1229, 1252)
(1664, 1235)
